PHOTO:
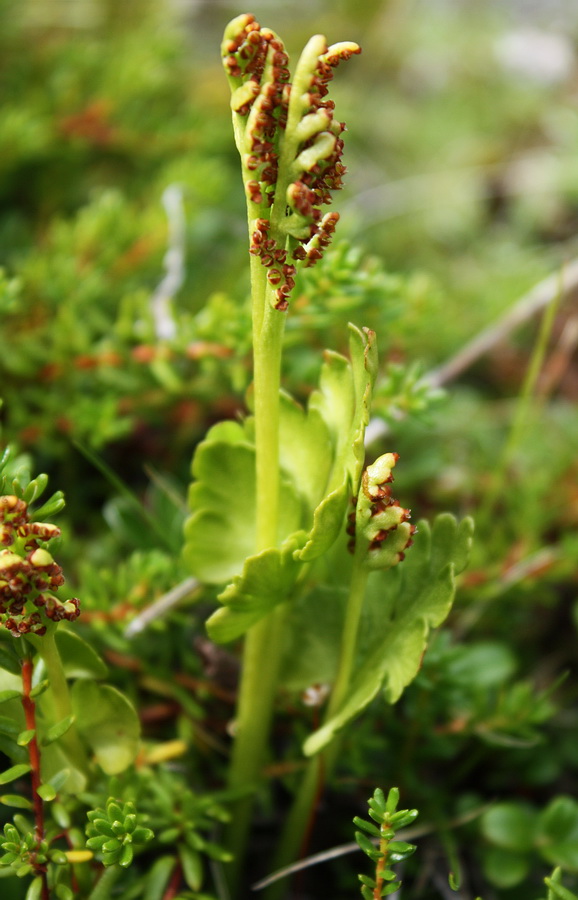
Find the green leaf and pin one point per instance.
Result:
(25, 737)
(16, 800)
(9, 726)
(392, 799)
(482, 665)
(79, 659)
(14, 772)
(335, 403)
(343, 401)
(9, 662)
(141, 835)
(60, 815)
(47, 792)
(421, 592)
(221, 533)
(367, 846)
(126, 856)
(267, 580)
(192, 867)
(57, 730)
(305, 449)
(504, 868)
(556, 890)
(108, 723)
(327, 523)
(510, 826)
(63, 892)
(34, 891)
(314, 626)
(39, 688)
(9, 695)
(97, 842)
(559, 821)
(158, 877)
(369, 827)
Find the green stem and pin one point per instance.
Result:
(262, 651)
(319, 768)
(350, 631)
(58, 696)
(255, 712)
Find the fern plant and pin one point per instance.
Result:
(284, 507)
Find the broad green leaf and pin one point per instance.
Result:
(363, 350)
(79, 659)
(321, 456)
(305, 449)
(557, 834)
(482, 665)
(505, 868)
(424, 590)
(268, 579)
(221, 533)
(313, 635)
(343, 401)
(511, 826)
(108, 723)
(335, 398)
(559, 821)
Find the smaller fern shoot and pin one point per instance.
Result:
(377, 842)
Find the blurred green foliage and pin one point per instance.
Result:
(461, 195)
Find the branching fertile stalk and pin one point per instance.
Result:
(290, 149)
(380, 533)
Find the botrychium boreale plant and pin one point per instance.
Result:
(285, 513)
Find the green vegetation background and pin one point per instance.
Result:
(462, 194)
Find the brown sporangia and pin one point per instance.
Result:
(28, 573)
(379, 517)
(290, 145)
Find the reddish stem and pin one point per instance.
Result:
(34, 758)
(174, 884)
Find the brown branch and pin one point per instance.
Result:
(559, 284)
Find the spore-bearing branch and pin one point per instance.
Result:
(290, 145)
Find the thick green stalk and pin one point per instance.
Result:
(262, 651)
(319, 767)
